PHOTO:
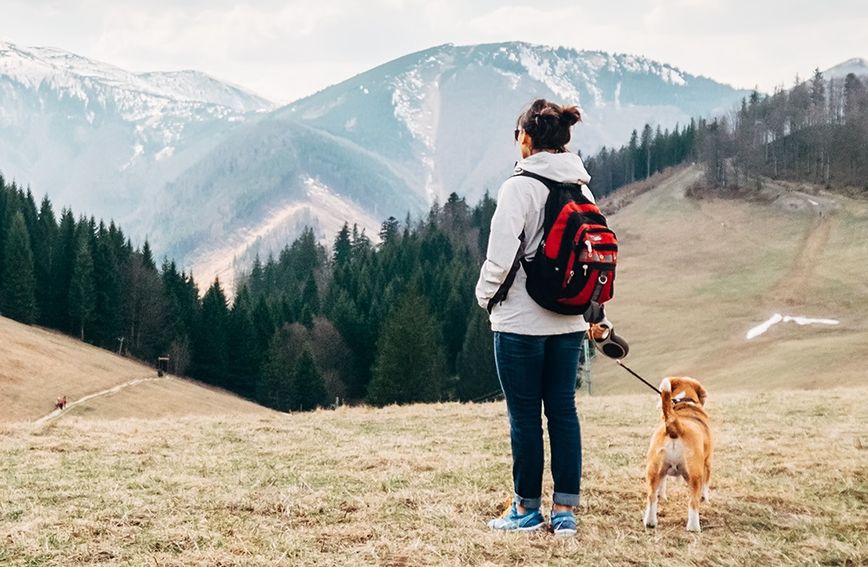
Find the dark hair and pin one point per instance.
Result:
(548, 124)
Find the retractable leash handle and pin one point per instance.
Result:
(610, 344)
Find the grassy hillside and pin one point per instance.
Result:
(37, 366)
(696, 275)
(415, 485)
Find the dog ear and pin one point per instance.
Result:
(701, 393)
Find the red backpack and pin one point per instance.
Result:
(574, 265)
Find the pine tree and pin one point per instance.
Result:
(410, 364)
(477, 373)
(210, 356)
(343, 247)
(307, 387)
(43, 255)
(243, 347)
(82, 292)
(275, 389)
(18, 290)
(107, 275)
(62, 262)
(389, 230)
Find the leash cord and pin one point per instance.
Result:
(621, 364)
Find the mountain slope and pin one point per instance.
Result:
(697, 275)
(425, 125)
(38, 366)
(102, 139)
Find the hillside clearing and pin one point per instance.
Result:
(37, 366)
(697, 274)
(415, 485)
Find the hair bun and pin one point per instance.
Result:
(548, 124)
(571, 115)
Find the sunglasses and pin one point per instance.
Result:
(516, 134)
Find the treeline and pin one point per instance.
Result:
(385, 323)
(78, 276)
(816, 132)
(644, 155)
(394, 322)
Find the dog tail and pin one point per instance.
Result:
(673, 426)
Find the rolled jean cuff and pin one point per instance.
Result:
(529, 503)
(565, 499)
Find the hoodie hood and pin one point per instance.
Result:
(565, 167)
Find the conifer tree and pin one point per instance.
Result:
(82, 289)
(62, 261)
(210, 356)
(477, 373)
(107, 278)
(18, 289)
(410, 365)
(243, 352)
(307, 387)
(343, 247)
(43, 252)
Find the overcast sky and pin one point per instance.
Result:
(285, 49)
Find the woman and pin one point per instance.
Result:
(536, 350)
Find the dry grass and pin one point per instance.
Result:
(696, 275)
(37, 366)
(415, 486)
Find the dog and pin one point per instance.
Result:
(681, 446)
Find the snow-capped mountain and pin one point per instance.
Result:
(415, 129)
(211, 174)
(101, 138)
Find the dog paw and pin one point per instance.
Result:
(650, 518)
(665, 385)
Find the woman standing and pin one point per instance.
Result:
(536, 350)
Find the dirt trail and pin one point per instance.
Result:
(790, 288)
(107, 392)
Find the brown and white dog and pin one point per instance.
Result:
(681, 446)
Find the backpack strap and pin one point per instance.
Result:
(501, 292)
(556, 189)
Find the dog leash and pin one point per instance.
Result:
(621, 364)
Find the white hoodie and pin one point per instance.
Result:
(520, 206)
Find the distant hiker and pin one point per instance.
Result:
(537, 349)
(60, 404)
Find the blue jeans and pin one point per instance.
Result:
(536, 371)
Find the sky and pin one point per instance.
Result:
(287, 49)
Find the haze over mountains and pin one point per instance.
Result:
(102, 139)
(212, 174)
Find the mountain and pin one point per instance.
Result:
(858, 66)
(102, 139)
(397, 137)
(212, 174)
